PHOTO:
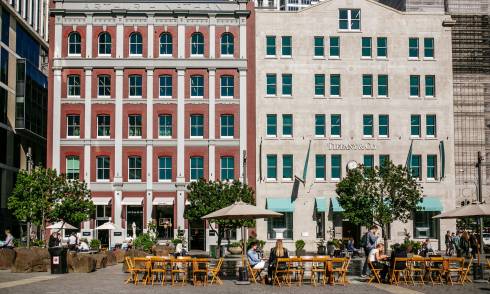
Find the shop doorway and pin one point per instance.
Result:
(197, 235)
(134, 214)
(165, 220)
(102, 235)
(350, 230)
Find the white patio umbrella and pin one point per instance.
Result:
(107, 226)
(61, 226)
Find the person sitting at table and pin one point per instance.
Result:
(376, 257)
(351, 248)
(83, 245)
(277, 252)
(426, 248)
(253, 257)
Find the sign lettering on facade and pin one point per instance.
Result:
(351, 146)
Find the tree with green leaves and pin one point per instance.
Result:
(379, 195)
(208, 196)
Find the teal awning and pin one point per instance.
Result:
(321, 204)
(280, 204)
(430, 203)
(336, 205)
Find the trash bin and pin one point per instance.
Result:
(59, 263)
(242, 274)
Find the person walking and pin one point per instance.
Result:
(464, 244)
(474, 245)
(447, 241)
(457, 243)
(368, 242)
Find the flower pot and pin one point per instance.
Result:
(322, 250)
(235, 250)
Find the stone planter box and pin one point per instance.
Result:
(7, 258)
(235, 250)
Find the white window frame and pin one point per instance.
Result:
(160, 86)
(203, 45)
(159, 126)
(109, 126)
(105, 86)
(191, 168)
(160, 45)
(191, 125)
(227, 86)
(349, 20)
(140, 168)
(68, 125)
(227, 44)
(165, 168)
(129, 43)
(135, 85)
(68, 158)
(221, 126)
(69, 43)
(198, 86)
(98, 45)
(103, 168)
(140, 126)
(68, 86)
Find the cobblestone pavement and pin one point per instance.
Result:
(111, 280)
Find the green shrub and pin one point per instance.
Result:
(144, 242)
(94, 244)
(235, 244)
(37, 243)
(300, 244)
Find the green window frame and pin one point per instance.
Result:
(287, 166)
(414, 86)
(368, 161)
(134, 168)
(135, 125)
(73, 167)
(319, 46)
(383, 86)
(270, 45)
(196, 168)
(165, 126)
(320, 85)
(271, 129)
(320, 125)
(271, 84)
(382, 47)
(415, 125)
(383, 159)
(430, 86)
(286, 46)
(384, 125)
(428, 47)
(227, 86)
(334, 48)
(227, 168)
(320, 167)
(287, 125)
(432, 166)
(416, 166)
(227, 129)
(197, 125)
(366, 47)
(335, 88)
(413, 47)
(335, 125)
(287, 84)
(367, 125)
(164, 168)
(336, 166)
(271, 167)
(103, 126)
(367, 85)
(431, 125)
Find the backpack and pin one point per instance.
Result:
(364, 240)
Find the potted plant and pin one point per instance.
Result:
(332, 245)
(300, 245)
(94, 244)
(321, 247)
(235, 248)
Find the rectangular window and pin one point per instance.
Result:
(73, 126)
(335, 125)
(227, 126)
(428, 47)
(287, 46)
(383, 159)
(416, 166)
(271, 80)
(350, 19)
(104, 86)
(134, 123)
(384, 125)
(382, 85)
(413, 48)
(103, 126)
(287, 167)
(334, 51)
(425, 226)
(430, 86)
(271, 167)
(283, 222)
(335, 85)
(73, 86)
(227, 87)
(197, 168)
(367, 85)
(103, 168)
(73, 167)
(319, 45)
(135, 86)
(336, 166)
(431, 125)
(414, 86)
(197, 126)
(134, 168)
(320, 125)
(227, 168)
(368, 161)
(320, 85)
(271, 125)
(367, 122)
(166, 86)
(165, 168)
(287, 84)
(432, 166)
(382, 47)
(287, 125)
(270, 45)
(197, 86)
(320, 166)
(415, 125)
(366, 47)
(165, 126)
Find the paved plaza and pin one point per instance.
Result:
(111, 280)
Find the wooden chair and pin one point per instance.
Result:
(254, 274)
(140, 265)
(340, 266)
(400, 269)
(280, 272)
(375, 273)
(130, 269)
(159, 267)
(179, 269)
(417, 269)
(319, 267)
(215, 271)
(435, 270)
(466, 271)
(296, 269)
(455, 265)
(200, 267)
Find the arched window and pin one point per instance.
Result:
(105, 44)
(197, 44)
(227, 44)
(74, 43)
(135, 44)
(166, 44)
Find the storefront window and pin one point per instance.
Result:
(424, 225)
(283, 222)
(134, 214)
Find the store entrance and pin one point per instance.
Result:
(197, 235)
(165, 221)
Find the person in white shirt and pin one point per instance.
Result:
(72, 242)
(83, 245)
(376, 257)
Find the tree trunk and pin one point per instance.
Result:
(385, 236)
(220, 238)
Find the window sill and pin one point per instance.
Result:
(226, 137)
(74, 55)
(415, 137)
(164, 181)
(382, 58)
(289, 138)
(349, 31)
(431, 137)
(413, 59)
(271, 96)
(334, 57)
(73, 137)
(102, 181)
(432, 180)
(318, 57)
(103, 137)
(227, 97)
(197, 55)
(320, 137)
(335, 137)
(197, 97)
(368, 137)
(367, 97)
(135, 97)
(104, 97)
(136, 55)
(319, 97)
(429, 59)
(73, 97)
(271, 181)
(104, 55)
(269, 137)
(383, 97)
(320, 180)
(134, 137)
(287, 180)
(286, 57)
(270, 57)
(366, 58)
(165, 137)
(415, 97)
(384, 137)
(226, 56)
(134, 181)
(287, 96)
(165, 55)
(165, 97)
(335, 180)
(335, 97)
(197, 137)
